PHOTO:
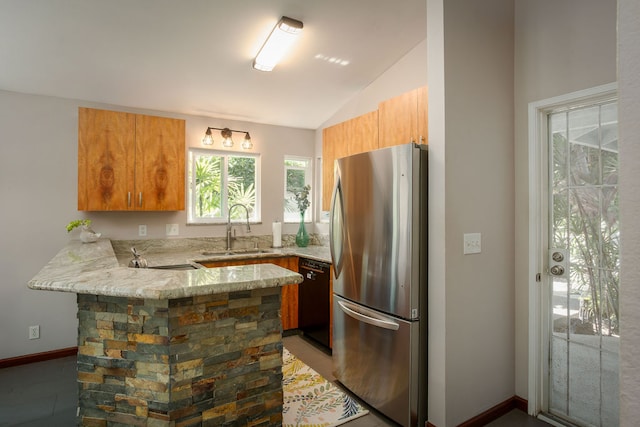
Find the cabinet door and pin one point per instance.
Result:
(361, 133)
(289, 305)
(106, 153)
(398, 120)
(159, 163)
(353, 136)
(332, 149)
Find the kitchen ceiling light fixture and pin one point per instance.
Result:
(227, 140)
(282, 37)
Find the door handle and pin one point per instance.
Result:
(336, 225)
(381, 323)
(558, 261)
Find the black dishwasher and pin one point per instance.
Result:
(313, 300)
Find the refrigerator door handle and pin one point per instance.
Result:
(379, 322)
(336, 227)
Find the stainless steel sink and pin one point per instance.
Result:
(237, 252)
(217, 253)
(251, 251)
(174, 267)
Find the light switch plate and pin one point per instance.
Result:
(472, 243)
(172, 229)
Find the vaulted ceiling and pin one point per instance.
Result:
(194, 56)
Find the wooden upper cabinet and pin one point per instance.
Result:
(106, 159)
(398, 120)
(403, 119)
(332, 148)
(357, 135)
(361, 133)
(160, 149)
(129, 162)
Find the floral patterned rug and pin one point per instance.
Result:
(310, 400)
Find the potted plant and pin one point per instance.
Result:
(87, 235)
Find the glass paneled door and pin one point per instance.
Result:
(583, 265)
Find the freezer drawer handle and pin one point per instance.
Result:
(367, 319)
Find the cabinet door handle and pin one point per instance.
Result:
(140, 199)
(129, 199)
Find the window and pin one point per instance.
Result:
(218, 180)
(297, 174)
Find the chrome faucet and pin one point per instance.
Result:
(229, 236)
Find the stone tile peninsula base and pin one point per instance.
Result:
(199, 360)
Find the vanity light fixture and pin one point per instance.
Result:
(227, 140)
(247, 144)
(282, 37)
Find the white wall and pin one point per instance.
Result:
(38, 181)
(560, 47)
(471, 190)
(629, 129)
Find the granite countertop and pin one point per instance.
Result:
(181, 255)
(94, 268)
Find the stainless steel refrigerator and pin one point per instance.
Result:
(378, 240)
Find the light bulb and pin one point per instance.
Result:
(208, 138)
(247, 144)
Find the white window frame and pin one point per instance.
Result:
(191, 217)
(308, 180)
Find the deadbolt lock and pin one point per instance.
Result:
(558, 261)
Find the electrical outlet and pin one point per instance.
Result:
(34, 332)
(172, 229)
(142, 230)
(472, 243)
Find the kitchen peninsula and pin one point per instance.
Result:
(163, 347)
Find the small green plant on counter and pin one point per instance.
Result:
(78, 223)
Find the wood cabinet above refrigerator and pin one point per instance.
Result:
(403, 119)
(399, 120)
(353, 136)
(130, 162)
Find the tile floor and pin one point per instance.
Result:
(39, 394)
(45, 393)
